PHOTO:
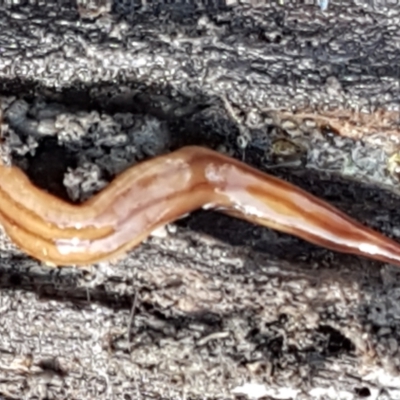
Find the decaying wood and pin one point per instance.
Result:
(213, 308)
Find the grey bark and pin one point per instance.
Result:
(216, 303)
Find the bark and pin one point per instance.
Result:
(216, 303)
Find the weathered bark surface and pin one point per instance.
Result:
(309, 96)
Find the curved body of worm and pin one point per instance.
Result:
(160, 190)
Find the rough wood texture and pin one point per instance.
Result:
(216, 303)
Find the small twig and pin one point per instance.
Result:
(132, 317)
